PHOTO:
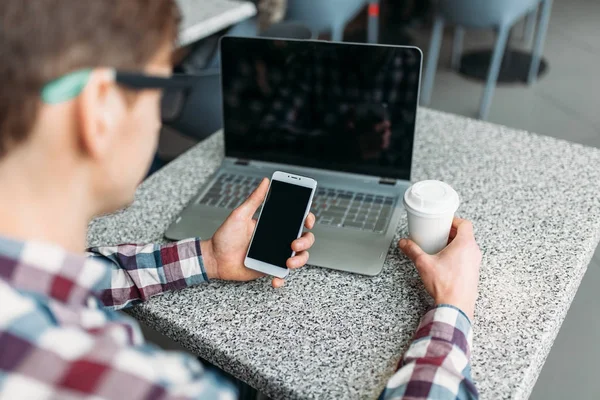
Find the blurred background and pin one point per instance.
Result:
(526, 64)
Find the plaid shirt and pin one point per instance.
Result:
(437, 363)
(58, 342)
(60, 337)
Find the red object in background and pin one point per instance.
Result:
(374, 10)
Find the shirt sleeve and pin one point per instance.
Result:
(41, 360)
(437, 363)
(139, 272)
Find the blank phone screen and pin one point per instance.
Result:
(280, 221)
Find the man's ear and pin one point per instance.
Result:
(99, 109)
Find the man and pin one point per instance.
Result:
(74, 143)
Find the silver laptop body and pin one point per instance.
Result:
(293, 106)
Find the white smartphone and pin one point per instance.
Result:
(280, 222)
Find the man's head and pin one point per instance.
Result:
(106, 135)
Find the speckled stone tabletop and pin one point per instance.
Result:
(535, 203)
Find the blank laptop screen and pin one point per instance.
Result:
(336, 106)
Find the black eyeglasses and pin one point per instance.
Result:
(175, 90)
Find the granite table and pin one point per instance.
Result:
(202, 18)
(535, 203)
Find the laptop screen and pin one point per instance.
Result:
(336, 106)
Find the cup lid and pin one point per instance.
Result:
(431, 197)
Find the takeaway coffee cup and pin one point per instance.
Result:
(430, 206)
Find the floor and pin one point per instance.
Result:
(564, 103)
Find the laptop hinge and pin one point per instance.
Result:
(387, 181)
(242, 162)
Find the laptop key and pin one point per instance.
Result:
(223, 203)
(333, 215)
(381, 224)
(351, 217)
(344, 203)
(371, 219)
(369, 226)
(353, 224)
(228, 202)
(236, 202)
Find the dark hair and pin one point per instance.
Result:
(40, 40)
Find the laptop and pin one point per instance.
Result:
(341, 113)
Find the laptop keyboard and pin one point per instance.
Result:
(335, 207)
(229, 191)
(355, 210)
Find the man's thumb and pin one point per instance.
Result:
(253, 202)
(413, 251)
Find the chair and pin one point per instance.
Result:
(481, 14)
(202, 113)
(324, 15)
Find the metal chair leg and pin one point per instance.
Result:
(540, 38)
(337, 33)
(457, 46)
(432, 60)
(529, 29)
(488, 93)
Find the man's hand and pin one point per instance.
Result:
(225, 252)
(450, 276)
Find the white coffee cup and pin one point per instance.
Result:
(430, 206)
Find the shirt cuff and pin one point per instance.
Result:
(448, 323)
(188, 264)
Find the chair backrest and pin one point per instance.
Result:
(202, 114)
(484, 13)
(322, 15)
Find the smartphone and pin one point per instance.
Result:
(280, 222)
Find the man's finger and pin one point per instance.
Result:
(253, 202)
(304, 242)
(462, 227)
(298, 260)
(277, 283)
(412, 250)
(309, 223)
